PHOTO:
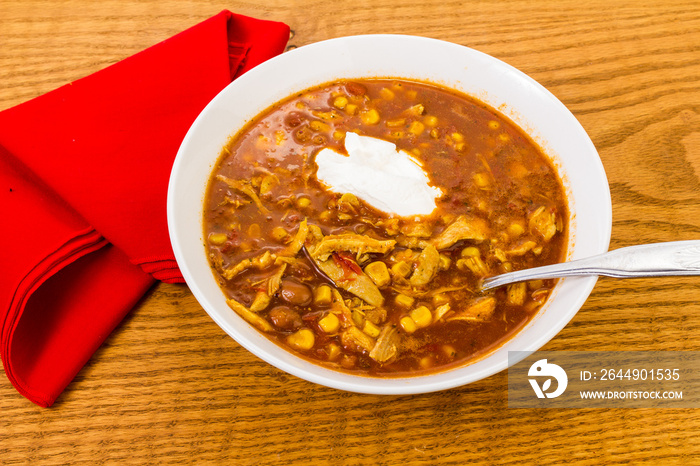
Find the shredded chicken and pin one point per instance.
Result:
(461, 228)
(386, 347)
(261, 262)
(544, 223)
(482, 309)
(355, 339)
(273, 283)
(356, 283)
(261, 301)
(440, 311)
(411, 242)
(426, 267)
(249, 316)
(339, 305)
(350, 278)
(516, 293)
(244, 187)
(294, 247)
(522, 248)
(263, 298)
(358, 244)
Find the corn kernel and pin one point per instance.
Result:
(449, 351)
(340, 102)
(351, 109)
(470, 251)
(338, 135)
(422, 316)
(504, 137)
(371, 329)
(434, 133)
(535, 284)
(262, 141)
(370, 117)
(358, 318)
(460, 146)
(444, 262)
(493, 124)
(430, 120)
(457, 137)
(378, 272)
(515, 229)
(481, 180)
(403, 300)
(330, 323)
(319, 126)
(333, 351)
(396, 123)
(416, 128)
(303, 202)
(217, 238)
(322, 295)
(254, 230)
(386, 94)
(417, 109)
(408, 325)
(401, 269)
(426, 362)
(267, 183)
(303, 339)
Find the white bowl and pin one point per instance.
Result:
(501, 86)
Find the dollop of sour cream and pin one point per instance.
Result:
(390, 180)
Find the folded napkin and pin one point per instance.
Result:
(83, 183)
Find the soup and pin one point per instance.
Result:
(341, 279)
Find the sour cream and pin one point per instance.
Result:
(390, 180)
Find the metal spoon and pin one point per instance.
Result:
(647, 260)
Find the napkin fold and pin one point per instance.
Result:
(84, 172)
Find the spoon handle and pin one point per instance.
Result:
(646, 260)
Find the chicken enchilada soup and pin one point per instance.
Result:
(352, 223)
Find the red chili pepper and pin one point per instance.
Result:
(346, 262)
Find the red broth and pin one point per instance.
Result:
(355, 289)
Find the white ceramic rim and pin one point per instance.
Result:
(490, 80)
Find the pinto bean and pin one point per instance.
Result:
(295, 293)
(355, 88)
(294, 119)
(285, 318)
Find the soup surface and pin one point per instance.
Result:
(340, 282)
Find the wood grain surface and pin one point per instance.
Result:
(169, 386)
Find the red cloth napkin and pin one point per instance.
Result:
(83, 183)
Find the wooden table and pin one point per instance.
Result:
(169, 386)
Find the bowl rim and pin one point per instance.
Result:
(300, 367)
